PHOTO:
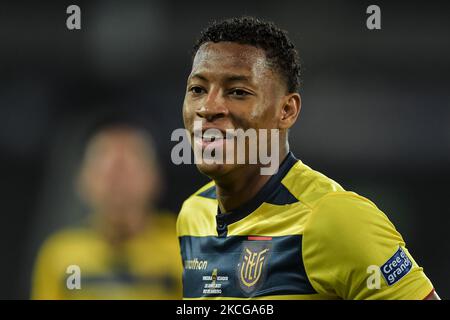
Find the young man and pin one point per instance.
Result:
(295, 234)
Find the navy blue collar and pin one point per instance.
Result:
(271, 192)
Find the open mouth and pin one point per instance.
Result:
(212, 137)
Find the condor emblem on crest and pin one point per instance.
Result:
(252, 265)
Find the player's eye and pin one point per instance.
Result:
(196, 90)
(239, 93)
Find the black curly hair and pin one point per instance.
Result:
(280, 51)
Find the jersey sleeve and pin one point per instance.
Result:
(352, 251)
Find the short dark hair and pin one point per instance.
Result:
(280, 51)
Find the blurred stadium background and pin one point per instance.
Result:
(375, 116)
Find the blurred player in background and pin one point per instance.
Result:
(126, 250)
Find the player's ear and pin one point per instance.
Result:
(290, 110)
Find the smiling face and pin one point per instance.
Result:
(232, 86)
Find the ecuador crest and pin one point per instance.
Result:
(252, 267)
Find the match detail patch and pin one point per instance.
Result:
(396, 267)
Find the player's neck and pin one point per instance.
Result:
(242, 185)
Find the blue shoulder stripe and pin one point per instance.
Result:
(209, 193)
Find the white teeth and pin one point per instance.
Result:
(212, 134)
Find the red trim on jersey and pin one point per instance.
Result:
(254, 238)
(429, 295)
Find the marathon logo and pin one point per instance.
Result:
(195, 264)
(396, 267)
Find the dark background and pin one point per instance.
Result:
(375, 116)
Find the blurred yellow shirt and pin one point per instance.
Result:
(147, 266)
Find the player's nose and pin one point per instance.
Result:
(213, 107)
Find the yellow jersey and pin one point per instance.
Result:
(301, 237)
(147, 266)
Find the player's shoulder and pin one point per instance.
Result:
(68, 239)
(326, 197)
(343, 201)
(346, 212)
(199, 208)
(310, 186)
